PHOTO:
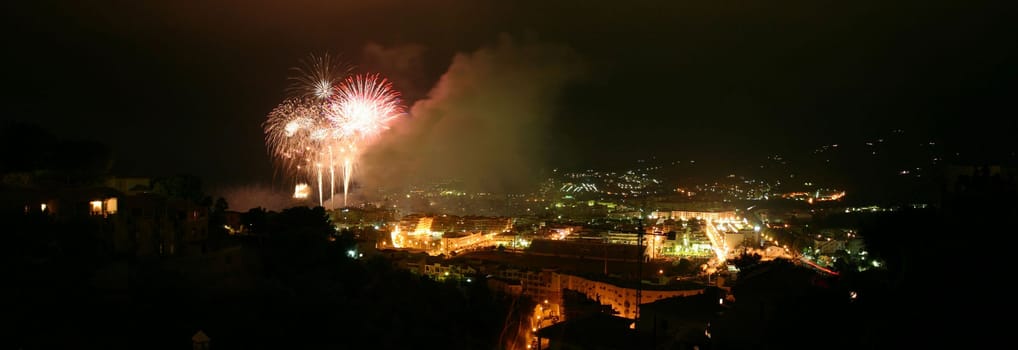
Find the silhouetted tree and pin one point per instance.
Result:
(255, 220)
(683, 267)
(345, 240)
(182, 186)
(217, 222)
(297, 238)
(746, 261)
(694, 225)
(221, 205)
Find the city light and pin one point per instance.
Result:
(195, 141)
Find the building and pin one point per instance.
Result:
(149, 224)
(597, 331)
(700, 215)
(448, 234)
(682, 322)
(352, 217)
(505, 286)
(141, 224)
(433, 268)
(585, 249)
(622, 298)
(619, 295)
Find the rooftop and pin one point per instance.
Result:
(598, 331)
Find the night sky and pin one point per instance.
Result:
(183, 86)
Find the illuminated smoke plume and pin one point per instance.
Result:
(402, 64)
(244, 198)
(485, 121)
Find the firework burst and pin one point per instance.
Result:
(362, 107)
(317, 76)
(296, 133)
(328, 121)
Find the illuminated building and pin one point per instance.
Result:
(141, 224)
(448, 234)
(150, 224)
(548, 284)
(505, 286)
(621, 298)
(701, 215)
(437, 268)
(366, 216)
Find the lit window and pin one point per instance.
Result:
(97, 207)
(111, 205)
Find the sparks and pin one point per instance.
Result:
(361, 108)
(327, 122)
(317, 76)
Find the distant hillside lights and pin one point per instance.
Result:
(816, 196)
(578, 187)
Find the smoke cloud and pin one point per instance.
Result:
(244, 198)
(484, 123)
(403, 65)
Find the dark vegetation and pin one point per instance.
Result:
(295, 288)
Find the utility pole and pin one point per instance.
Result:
(639, 252)
(639, 265)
